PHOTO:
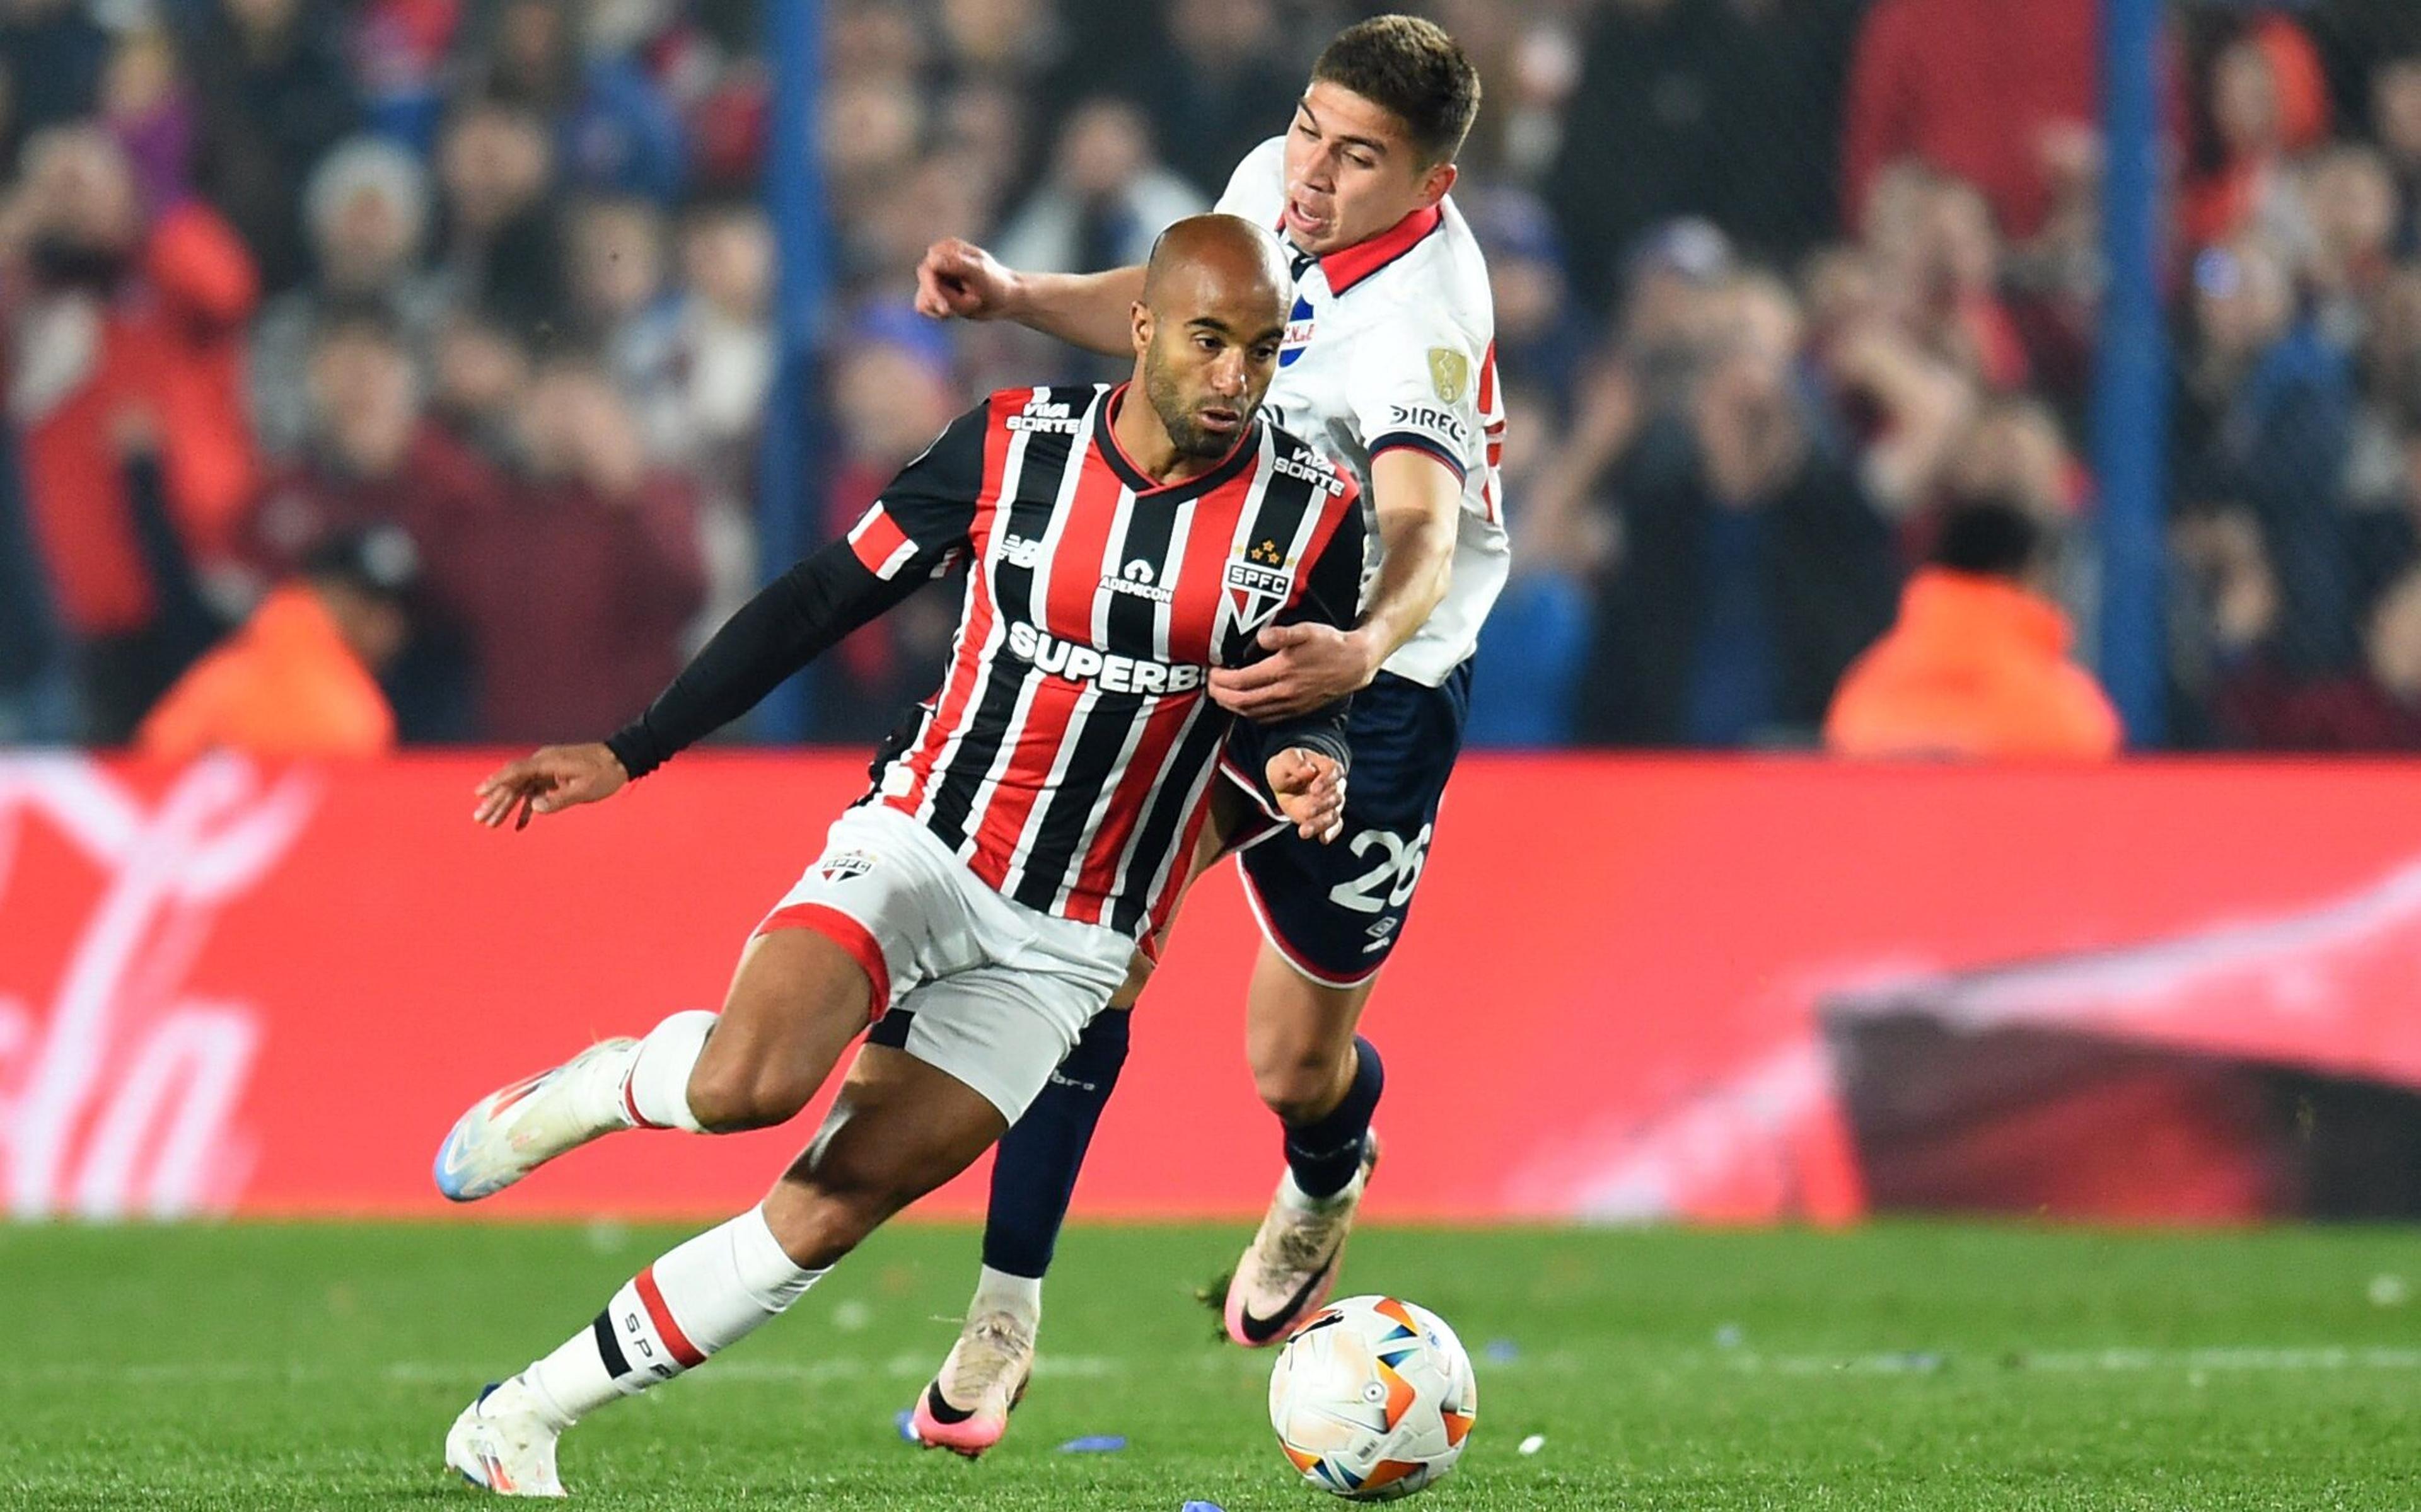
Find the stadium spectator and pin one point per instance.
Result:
(275, 93)
(1751, 565)
(371, 455)
(1105, 200)
(700, 373)
(615, 131)
(2395, 122)
(1679, 85)
(1989, 91)
(1976, 664)
(1224, 84)
(579, 589)
(300, 679)
(118, 324)
(2267, 102)
(2374, 707)
(892, 396)
(481, 378)
(52, 55)
(399, 50)
(367, 213)
(616, 279)
(2267, 422)
(145, 104)
(502, 245)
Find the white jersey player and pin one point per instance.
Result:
(1389, 365)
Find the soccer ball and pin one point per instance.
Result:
(1372, 1398)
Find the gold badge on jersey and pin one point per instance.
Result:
(1449, 371)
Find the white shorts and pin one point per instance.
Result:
(987, 989)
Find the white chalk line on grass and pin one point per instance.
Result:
(2239, 1359)
(2217, 1360)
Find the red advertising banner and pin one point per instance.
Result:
(1724, 991)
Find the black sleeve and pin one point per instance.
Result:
(1332, 596)
(796, 618)
(913, 533)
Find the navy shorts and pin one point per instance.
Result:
(1336, 911)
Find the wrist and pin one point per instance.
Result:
(1373, 649)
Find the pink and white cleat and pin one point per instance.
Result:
(988, 1366)
(515, 1129)
(503, 1443)
(1290, 1267)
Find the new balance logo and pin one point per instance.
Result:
(1022, 553)
(1110, 671)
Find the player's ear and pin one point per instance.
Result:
(1438, 182)
(1139, 317)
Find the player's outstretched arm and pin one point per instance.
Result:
(1309, 786)
(1088, 310)
(551, 777)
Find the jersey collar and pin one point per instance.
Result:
(1143, 485)
(1357, 262)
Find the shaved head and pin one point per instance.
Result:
(1207, 331)
(1231, 255)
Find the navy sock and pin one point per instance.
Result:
(1323, 1155)
(1034, 1170)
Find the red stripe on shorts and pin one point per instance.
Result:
(849, 935)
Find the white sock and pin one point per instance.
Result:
(1291, 1195)
(656, 1088)
(699, 1296)
(997, 1291)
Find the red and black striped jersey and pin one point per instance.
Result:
(1068, 752)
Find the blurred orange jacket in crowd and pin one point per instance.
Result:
(1977, 666)
(171, 351)
(287, 684)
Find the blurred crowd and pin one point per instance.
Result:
(430, 340)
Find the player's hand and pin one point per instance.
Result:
(1310, 789)
(550, 778)
(1309, 667)
(963, 279)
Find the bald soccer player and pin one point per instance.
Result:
(980, 904)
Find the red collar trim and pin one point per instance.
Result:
(1142, 483)
(1359, 261)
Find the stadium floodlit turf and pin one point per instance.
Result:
(312, 1366)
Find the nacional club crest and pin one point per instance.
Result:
(1259, 582)
(1298, 332)
(1449, 373)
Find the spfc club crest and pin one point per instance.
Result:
(1258, 585)
(849, 863)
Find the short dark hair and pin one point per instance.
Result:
(1989, 537)
(1413, 70)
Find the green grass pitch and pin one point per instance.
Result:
(1953, 1368)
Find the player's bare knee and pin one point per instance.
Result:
(729, 1095)
(1300, 1084)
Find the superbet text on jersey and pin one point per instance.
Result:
(1392, 343)
(1067, 755)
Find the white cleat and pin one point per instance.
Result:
(988, 1368)
(1290, 1267)
(502, 1443)
(515, 1129)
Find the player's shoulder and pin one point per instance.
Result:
(1291, 455)
(1257, 187)
(1436, 290)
